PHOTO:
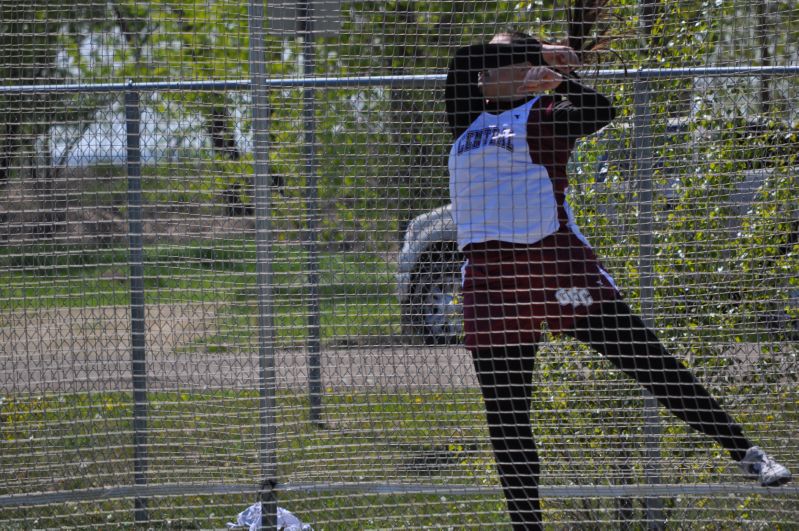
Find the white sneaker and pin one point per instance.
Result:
(758, 464)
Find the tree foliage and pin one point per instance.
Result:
(33, 39)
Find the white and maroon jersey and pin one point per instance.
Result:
(507, 165)
(498, 192)
(527, 262)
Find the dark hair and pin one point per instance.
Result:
(515, 35)
(587, 23)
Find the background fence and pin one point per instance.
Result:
(208, 297)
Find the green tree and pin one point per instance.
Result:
(33, 36)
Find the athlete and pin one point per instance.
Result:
(516, 110)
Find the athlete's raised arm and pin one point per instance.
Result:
(583, 111)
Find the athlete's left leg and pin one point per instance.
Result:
(623, 338)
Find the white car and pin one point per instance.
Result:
(429, 279)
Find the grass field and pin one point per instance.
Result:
(83, 441)
(357, 291)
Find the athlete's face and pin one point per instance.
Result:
(511, 82)
(503, 83)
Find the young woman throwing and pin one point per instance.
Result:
(516, 110)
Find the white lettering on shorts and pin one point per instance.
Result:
(574, 297)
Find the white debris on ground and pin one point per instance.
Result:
(251, 519)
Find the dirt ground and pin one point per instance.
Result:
(73, 350)
(69, 350)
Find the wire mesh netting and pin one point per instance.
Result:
(233, 244)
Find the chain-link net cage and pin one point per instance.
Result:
(230, 271)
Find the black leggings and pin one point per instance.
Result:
(505, 377)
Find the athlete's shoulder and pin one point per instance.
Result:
(543, 110)
(546, 102)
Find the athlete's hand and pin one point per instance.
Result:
(539, 79)
(560, 58)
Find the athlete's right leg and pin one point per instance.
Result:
(505, 376)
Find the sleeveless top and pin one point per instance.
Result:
(497, 191)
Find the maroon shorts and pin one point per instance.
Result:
(511, 290)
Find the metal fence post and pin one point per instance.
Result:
(647, 11)
(137, 324)
(264, 272)
(643, 176)
(314, 342)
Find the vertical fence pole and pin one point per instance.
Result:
(306, 16)
(137, 324)
(264, 273)
(647, 11)
(643, 164)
